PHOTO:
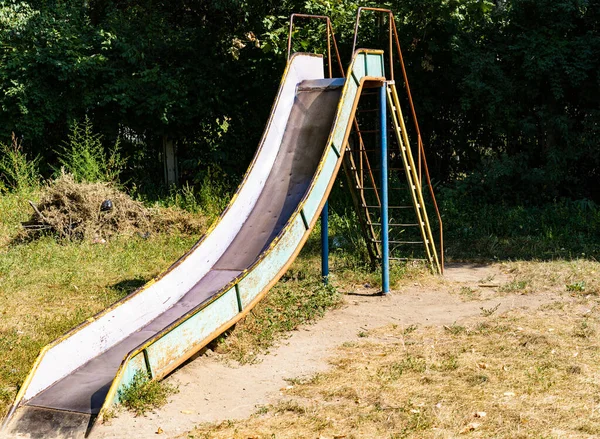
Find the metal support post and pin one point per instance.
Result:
(325, 243)
(385, 251)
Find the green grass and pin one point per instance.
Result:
(143, 395)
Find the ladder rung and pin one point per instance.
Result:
(376, 188)
(407, 259)
(394, 225)
(390, 169)
(398, 242)
(389, 207)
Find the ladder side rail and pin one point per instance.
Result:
(399, 117)
(410, 177)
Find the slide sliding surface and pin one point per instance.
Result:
(268, 220)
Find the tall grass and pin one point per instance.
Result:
(18, 172)
(85, 157)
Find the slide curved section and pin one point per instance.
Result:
(227, 272)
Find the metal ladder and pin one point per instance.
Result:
(412, 178)
(362, 178)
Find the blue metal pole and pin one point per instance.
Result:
(385, 250)
(325, 243)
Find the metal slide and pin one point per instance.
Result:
(77, 378)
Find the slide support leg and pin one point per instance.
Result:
(325, 243)
(385, 250)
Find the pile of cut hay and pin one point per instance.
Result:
(72, 210)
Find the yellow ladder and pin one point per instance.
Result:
(412, 178)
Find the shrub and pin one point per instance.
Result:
(17, 171)
(84, 156)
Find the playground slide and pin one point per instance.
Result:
(77, 378)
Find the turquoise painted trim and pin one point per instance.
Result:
(312, 207)
(135, 364)
(345, 113)
(173, 345)
(256, 280)
(373, 63)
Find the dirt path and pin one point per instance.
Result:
(213, 391)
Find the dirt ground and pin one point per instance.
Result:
(212, 390)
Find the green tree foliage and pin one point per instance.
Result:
(506, 91)
(52, 62)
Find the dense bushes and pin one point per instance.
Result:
(507, 91)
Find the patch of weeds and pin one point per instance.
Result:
(111, 413)
(556, 305)
(483, 328)
(85, 158)
(486, 312)
(363, 334)
(534, 339)
(455, 329)
(262, 410)
(419, 420)
(6, 397)
(300, 381)
(394, 371)
(477, 380)
(410, 329)
(584, 330)
(576, 287)
(513, 287)
(589, 428)
(18, 171)
(449, 363)
(468, 293)
(142, 395)
(487, 279)
(541, 377)
(289, 406)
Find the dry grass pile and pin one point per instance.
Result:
(517, 375)
(72, 210)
